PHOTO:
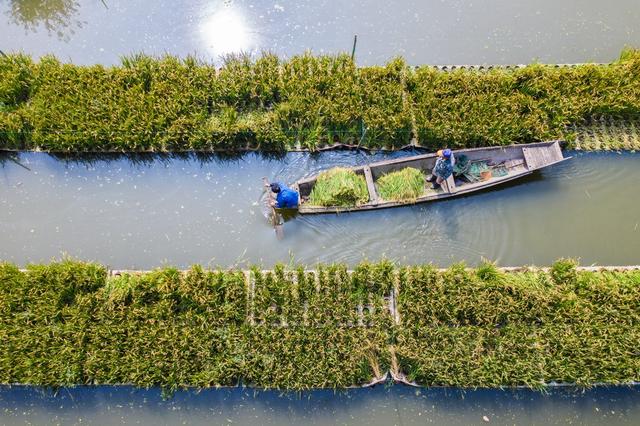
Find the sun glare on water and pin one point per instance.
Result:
(226, 30)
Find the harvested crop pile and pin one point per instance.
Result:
(339, 187)
(403, 185)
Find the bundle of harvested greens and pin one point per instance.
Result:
(402, 185)
(339, 187)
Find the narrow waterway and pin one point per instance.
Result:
(145, 211)
(396, 405)
(422, 31)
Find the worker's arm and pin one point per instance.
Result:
(271, 196)
(280, 200)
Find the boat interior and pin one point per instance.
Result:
(473, 169)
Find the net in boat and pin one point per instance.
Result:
(472, 170)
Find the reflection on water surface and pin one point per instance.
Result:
(226, 29)
(422, 31)
(56, 17)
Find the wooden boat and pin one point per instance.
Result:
(514, 161)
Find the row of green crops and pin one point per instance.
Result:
(488, 328)
(608, 135)
(72, 323)
(305, 102)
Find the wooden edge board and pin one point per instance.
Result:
(373, 193)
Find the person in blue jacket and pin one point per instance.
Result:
(443, 168)
(286, 198)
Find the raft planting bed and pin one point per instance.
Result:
(73, 323)
(307, 102)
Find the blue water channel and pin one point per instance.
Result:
(147, 211)
(382, 405)
(422, 31)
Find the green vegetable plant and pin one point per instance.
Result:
(74, 323)
(170, 104)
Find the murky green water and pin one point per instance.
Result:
(397, 405)
(146, 211)
(423, 31)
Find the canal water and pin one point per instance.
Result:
(395, 405)
(146, 211)
(422, 31)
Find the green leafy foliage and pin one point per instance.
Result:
(325, 328)
(537, 102)
(564, 271)
(17, 78)
(489, 328)
(70, 323)
(307, 102)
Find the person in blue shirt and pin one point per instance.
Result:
(443, 168)
(286, 198)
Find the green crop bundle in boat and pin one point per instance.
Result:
(339, 187)
(402, 185)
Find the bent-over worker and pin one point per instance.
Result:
(286, 198)
(443, 168)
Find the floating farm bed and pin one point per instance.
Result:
(73, 323)
(168, 104)
(486, 328)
